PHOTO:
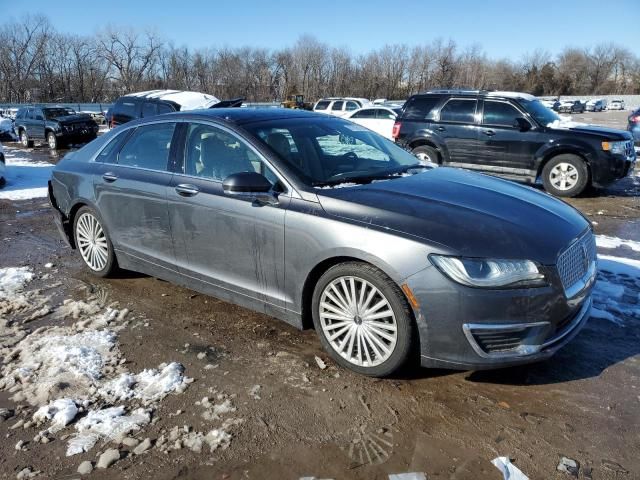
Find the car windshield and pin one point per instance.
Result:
(331, 151)
(537, 110)
(50, 113)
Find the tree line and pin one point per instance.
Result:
(40, 64)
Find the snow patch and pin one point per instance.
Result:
(616, 296)
(604, 241)
(24, 178)
(61, 412)
(13, 279)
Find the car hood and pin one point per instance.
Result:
(595, 130)
(77, 117)
(463, 212)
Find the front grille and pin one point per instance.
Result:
(574, 262)
(499, 342)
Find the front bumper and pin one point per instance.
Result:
(473, 329)
(609, 168)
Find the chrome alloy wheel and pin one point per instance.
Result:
(92, 242)
(425, 157)
(564, 176)
(51, 140)
(358, 321)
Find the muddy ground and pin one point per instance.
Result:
(329, 423)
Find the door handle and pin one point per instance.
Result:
(110, 177)
(489, 133)
(187, 190)
(440, 129)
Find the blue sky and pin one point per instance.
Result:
(505, 29)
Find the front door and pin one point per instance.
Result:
(231, 245)
(130, 187)
(506, 148)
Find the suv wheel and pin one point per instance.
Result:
(426, 153)
(24, 139)
(52, 141)
(363, 319)
(565, 175)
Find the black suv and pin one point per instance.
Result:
(56, 125)
(512, 135)
(156, 102)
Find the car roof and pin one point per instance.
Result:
(186, 99)
(484, 93)
(242, 116)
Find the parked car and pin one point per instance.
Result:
(379, 119)
(340, 107)
(598, 105)
(571, 106)
(616, 105)
(513, 135)
(3, 166)
(156, 102)
(54, 125)
(634, 126)
(548, 103)
(6, 128)
(375, 265)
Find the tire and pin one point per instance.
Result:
(565, 175)
(386, 352)
(100, 264)
(427, 153)
(52, 141)
(25, 140)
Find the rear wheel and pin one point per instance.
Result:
(93, 243)
(363, 319)
(25, 140)
(426, 153)
(565, 175)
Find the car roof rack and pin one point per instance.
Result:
(456, 91)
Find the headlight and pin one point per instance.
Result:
(614, 147)
(489, 273)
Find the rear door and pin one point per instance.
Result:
(458, 129)
(37, 124)
(130, 190)
(337, 108)
(229, 244)
(504, 147)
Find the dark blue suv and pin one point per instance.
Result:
(634, 126)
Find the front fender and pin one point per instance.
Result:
(564, 145)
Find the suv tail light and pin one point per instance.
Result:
(395, 133)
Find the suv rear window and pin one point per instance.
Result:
(458, 110)
(322, 105)
(419, 108)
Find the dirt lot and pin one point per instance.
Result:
(287, 418)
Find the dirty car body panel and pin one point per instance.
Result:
(171, 223)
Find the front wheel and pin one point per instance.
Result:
(363, 319)
(52, 141)
(565, 175)
(93, 243)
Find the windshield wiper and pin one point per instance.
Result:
(369, 177)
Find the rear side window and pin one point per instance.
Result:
(149, 109)
(458, 110)
(322, 105)
(164, 108)
(383, 114)
(368, 113)
(499, 113)
(419, 108)
(126, 108)
(337, 105)
(148, 147)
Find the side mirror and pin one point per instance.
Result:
(250, 186)
(522, 124)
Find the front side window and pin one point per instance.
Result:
(148, 147)
(213, 153)
(458, 110)
(164, 108)
(149, 109)
(52, 113)
(500, 114)
(337, 105)
(352, 106)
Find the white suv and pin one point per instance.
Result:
(340, 107)
(616, 105)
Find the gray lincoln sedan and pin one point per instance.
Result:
(321, 222)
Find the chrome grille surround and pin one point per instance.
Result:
(577, 263)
